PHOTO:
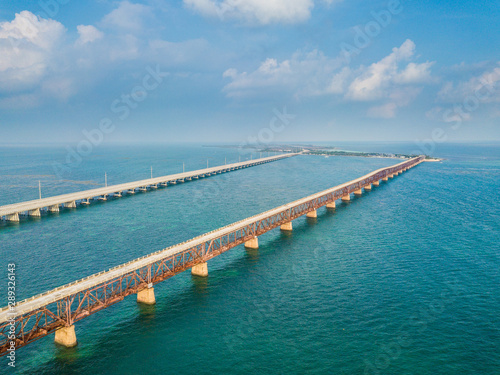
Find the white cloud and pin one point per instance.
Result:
(304, 74)
(88, 34)
(40, 62)
(415, 73)
(484, 87)
(127, 16)
(435, 113)
(27, 45)
(384, 111)
(21, 101)
(391, 81)
(376, 81)
(339, 81)
(255, 11)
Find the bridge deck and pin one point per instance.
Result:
(45, 313)
(44, 299)
(18, 208)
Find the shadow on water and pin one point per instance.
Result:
(64, 356)
(252, 255)
(201, 285)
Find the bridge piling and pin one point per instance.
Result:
(13, 217)
(286, 226)
(312, 214)
(35, 213)
(358, 192)
(346, 198)
(146, 296)
(376, 183)
(368, 187)
(200, 269)
(252, 244)
(66, 336)
(70, 204)
(54, 208)
(47, 306)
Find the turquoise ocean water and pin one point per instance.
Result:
(403, 280)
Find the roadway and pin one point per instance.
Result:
(12, 211)
(59, 293)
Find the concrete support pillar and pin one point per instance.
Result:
(330, 205)
(376, 183)
(35, 213)
(385, 179)
(358, 192)
(70, 204)
(368, 187)
(201, 269)
(312, 214)
(86, 202)
(391, 176)
(131, 192)
(13, 217)
(252, 244)
(146, 296)
(103, 198)
(66, 336)
(118, 195)
(54, 208)
(286, 226)
(346, 198)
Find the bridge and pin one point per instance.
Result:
(12, 212)
(59, 309)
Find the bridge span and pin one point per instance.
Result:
(12, 212)
(57, 310)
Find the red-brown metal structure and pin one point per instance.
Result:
(64, 312)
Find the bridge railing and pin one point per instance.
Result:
(64, 305)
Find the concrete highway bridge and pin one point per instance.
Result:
(59, 309)
(12, 212)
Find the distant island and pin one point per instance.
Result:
(324, 151)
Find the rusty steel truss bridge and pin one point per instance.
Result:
(59, 309)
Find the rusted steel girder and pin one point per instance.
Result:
(70, 309)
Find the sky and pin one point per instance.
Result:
(249, 71)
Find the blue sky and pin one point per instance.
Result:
(240, 70)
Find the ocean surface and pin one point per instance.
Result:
(403, 280)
